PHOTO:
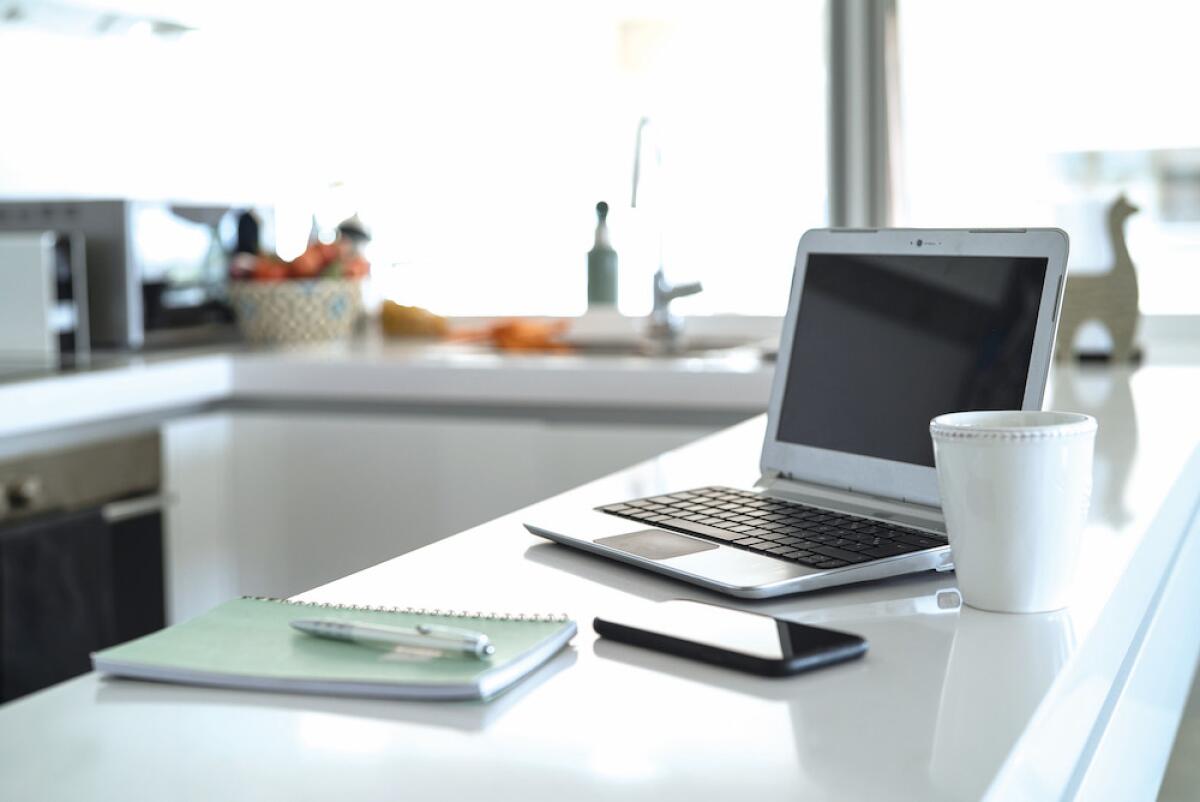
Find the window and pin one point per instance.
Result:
(536, 110)
(1029, 113)
(474, 138)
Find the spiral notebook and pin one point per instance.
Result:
(249, 643)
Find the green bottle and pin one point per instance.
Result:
(602, 264)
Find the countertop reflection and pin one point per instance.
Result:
(949, 703)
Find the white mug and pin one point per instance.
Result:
(1015, 489)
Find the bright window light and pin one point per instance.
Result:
(1028, 113)
(474, 138)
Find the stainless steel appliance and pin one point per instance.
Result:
(156, 271)
(43, 298)
(81, 557)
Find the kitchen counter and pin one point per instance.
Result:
(950, 703)
(376, 372)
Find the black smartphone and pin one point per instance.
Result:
(732, 638)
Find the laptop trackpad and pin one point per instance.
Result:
(655, 544)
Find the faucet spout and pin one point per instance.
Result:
(665, 326)
(637, 160)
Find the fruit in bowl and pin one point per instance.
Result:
(338, 259)
(316, 296)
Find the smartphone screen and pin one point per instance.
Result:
(734, 638)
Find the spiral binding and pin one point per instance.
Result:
(552, 618)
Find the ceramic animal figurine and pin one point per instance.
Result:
(1110, 298)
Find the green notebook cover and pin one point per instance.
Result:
(249, 643)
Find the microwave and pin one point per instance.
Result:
(157, 271)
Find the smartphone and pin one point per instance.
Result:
(752, 642)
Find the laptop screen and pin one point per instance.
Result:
(885, 343)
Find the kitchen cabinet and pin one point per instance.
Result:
(275, 502)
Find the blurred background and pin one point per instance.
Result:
(476, 137)
(165, 165)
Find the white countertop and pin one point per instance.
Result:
(380, 372)
(950, 703)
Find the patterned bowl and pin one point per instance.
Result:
(295, 311)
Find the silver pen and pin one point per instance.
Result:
(423, 636)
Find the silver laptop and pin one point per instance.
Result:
(885, 329)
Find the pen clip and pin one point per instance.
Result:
(478, 642)
(449, 632)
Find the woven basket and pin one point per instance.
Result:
(296, 311)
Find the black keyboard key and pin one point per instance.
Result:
(700, 529)
(915, 540)
(809, 535)
(889, 550)
(839, 554)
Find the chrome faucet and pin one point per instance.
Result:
(665, 327)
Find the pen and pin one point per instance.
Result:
(423, 636)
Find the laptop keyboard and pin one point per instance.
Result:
(807, 535)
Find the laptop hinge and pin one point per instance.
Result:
(851, 500)
(844, 489)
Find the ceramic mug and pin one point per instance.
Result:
(1015, 489)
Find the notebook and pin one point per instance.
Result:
(249, 643)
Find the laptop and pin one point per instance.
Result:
(885, 329)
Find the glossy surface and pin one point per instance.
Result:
(950, 703)
(274, 503)
(375, 372)
(957, 332)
